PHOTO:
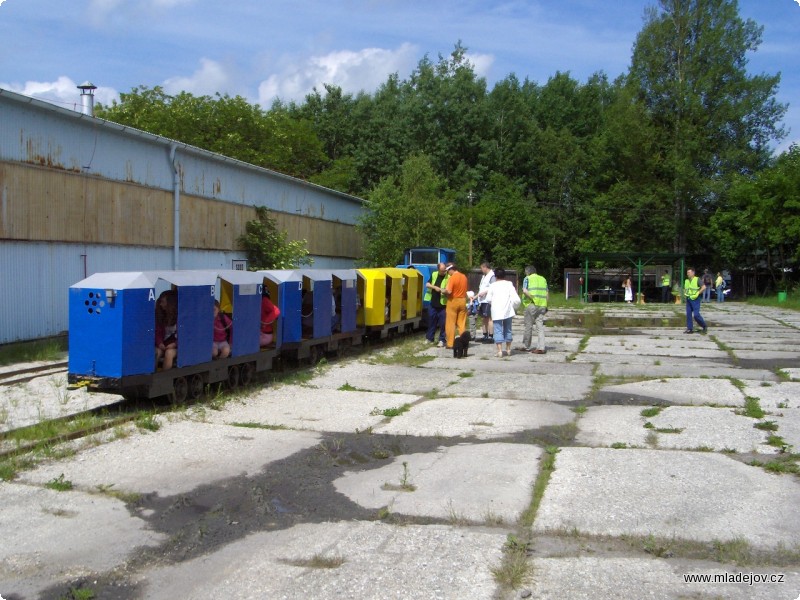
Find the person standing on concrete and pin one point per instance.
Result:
(708, 282)
(437, 302)
(456, 293)
(534, 299)
(720, 285)
(485, 308)
(666, 287)
(504, 300)
(692, 288)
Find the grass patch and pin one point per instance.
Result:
(405, 482)
(649, 425)
(766, 426)
(776, 441)
(736, 551)
(346, 387)
(318, 561)
(580, 409)
(254, 425)
(49, 349)
(481, 424)
(669, 429)
(581, 347)
(466, 374)
(405, 352)
(59, 484)
(792, 301)
(752, 408)
(651, 412)
(148, 422)
(781, 374)
(619, 445)
(395, 411)
(107, 489)
(702, 449)
(81, 593)
(513, 571)
(547, 465)
(725, 348)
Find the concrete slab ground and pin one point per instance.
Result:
(788, 420)
(372, 560)
(606, 425)
(720, 429)
(698, 496)
(775, 396)
(50, 536)
(611, 578)
(483, 418)
(694, 392)
(175, 459)
(532, 366)
(673, 368)
(312, 409)
(475, 482)
(522, 386)
(385, 378)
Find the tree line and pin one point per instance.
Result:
(672, 156)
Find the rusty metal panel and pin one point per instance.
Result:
(38, 133)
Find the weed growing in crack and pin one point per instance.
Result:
(59, 484)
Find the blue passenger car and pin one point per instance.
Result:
(289, 285)
(112, 325)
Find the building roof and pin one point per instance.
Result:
(133, 132)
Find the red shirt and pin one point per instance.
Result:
(269, 312)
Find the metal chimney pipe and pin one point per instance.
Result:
(87, 89)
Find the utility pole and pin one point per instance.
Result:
(470, 198)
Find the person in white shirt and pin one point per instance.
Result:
(485, 308)
(504, 301)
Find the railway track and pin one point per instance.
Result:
(29, 374)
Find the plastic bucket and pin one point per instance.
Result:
(781, 296)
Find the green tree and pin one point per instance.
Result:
(411, 210)
(713, 119)
(268, 248)
(226, 125)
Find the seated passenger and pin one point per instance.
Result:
(167, 328)
(269, 314)
(222, 333)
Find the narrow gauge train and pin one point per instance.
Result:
(112, 323)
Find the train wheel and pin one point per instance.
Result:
(233, 377)
(180, 390)
(248, 372)
(196, 386)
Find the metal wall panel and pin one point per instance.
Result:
(40, 133)
(36, 277)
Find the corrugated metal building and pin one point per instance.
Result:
(80, 195)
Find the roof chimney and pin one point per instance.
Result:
(87, 89)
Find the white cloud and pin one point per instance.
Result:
(209, 79)
(481, 63)
(353, 71)
(63, 91)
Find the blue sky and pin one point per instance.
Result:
(261, 49)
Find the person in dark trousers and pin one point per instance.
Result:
(666, 288)
(708, 283)
(692, 288)
(437, 306)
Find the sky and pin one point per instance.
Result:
(267, 49)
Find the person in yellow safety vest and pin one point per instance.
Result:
(534, 299)
(692, 288)
(436, 306)
(666, 282)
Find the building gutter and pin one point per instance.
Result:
(176, 201)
